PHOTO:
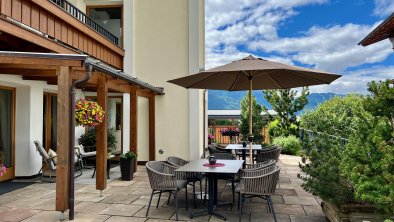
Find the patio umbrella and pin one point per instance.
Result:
(251, 73)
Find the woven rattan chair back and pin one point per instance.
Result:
(161, 176)
(270, 154)
(260, 182)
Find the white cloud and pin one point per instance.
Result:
(383, 7)
(356, 81)
(245, 27)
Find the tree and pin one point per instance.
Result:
(286, 105)
(369, 156)
(324, 154)
(258, 121)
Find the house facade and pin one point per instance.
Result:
(133, 46)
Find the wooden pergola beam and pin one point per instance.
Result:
(63, 142)
(133, 120)
(152, 133)
(30, 72)
(41, 61)
(101, 136)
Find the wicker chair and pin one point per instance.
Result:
(213, 149)
(49, 172)
(259, 165)
(269, 154)
(191, 177)
(258, 183)
(162, 179)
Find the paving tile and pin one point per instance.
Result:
(92, 197)
(27, 202)
(258, 217)
(17, 214)
(297, 181)
(230, 216)
(80, 217)
(121, 183)
(313, 211)
(126, 219)
(289, 209)
(158, 213)
(90, 207)
(144, 200)
(300, 200)
(118, 190)
(45, 216)
(285, 192)
(121, 210)
(119, 199)
(4, 208)
(307, 219)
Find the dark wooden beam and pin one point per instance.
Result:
(133, 120)
(152, 132)
(41, 61)
(29, 72)
(101, 136)
(63, 139)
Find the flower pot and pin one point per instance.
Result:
(212, 160)
(127, 168)
(352, 212)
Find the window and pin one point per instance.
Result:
(108, 17)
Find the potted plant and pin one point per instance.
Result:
(211, 138)
(127, 165)
(88, 140)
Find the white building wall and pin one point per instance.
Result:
(142, 129)
(160, 53)
(126, 122)
(28, 123)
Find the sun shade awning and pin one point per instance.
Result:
(96, 65)
(383, 31)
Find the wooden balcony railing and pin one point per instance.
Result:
(78, 14)
(48, 20)
(224, 140)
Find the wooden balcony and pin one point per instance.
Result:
(56, 26)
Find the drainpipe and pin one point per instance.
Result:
(88, 69)
(204, 126)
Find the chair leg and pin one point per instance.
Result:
(233, 190)
(200, 190)
(169, 196)
(240, 206)
(194, 194)
(150, 201)
(158, 201)
(187, 200)
(176, 204)
(206, 184)
(272, 207)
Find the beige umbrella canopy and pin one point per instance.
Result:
(252, 73)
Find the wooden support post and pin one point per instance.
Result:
(133, 121)
(101, 136)
(152, 134)
(63, 138)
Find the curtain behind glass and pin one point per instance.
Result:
(54, 122)
(6, 127)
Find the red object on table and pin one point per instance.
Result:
(214, 165)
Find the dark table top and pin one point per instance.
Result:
(230, 166)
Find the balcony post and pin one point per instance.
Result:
(101, 136)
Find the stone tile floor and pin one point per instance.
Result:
(128, 200)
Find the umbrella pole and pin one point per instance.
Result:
(250, 137)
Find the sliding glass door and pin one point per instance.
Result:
(7, 119)
(50, 121)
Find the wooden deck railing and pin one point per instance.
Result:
(49, 20)
(224, 140)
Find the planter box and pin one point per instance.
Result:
(127, 168)
(352, 213)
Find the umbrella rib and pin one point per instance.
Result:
(192, 85)
(232, 86)
(273, 80)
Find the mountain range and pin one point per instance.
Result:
(226, 100)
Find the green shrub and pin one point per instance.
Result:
(89, 140)
(290, 145)
(275, 131)
(129, 155)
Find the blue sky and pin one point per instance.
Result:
(319, 34)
